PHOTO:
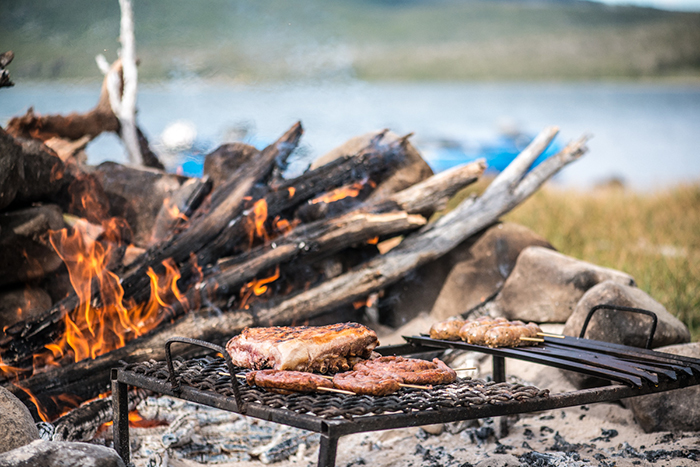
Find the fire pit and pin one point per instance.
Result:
(207, 381)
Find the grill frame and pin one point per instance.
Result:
(332, 429)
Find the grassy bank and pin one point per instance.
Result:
(394, 40)
(655, 237)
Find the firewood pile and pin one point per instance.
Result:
(101, 265)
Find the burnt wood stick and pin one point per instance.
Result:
(82, 423)
(321, 237)
(227, 202)
(328, 236)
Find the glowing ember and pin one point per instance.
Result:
(291, 191)
(257, 287)
(255, 222)
(373, 241)
(350, 191)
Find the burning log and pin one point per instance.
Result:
(391, 216)
(28, 338)
(89, 377)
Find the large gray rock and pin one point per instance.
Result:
(464, 278)
(17, 427)
(624, 327)
(61, 454)
(677, 410)
(412, 170)
(482, 269)
(545, 285)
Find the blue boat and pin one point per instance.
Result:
(445, 154)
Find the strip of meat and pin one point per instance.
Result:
(302, 348)
(366, 384)
(447, 330)
(287, 382)
(409, 370)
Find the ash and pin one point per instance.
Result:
(197, 434)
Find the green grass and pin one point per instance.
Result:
(369, 39)
(652, 236)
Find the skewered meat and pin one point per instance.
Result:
(509, 336)
(473, 331)
(409, 370)
(365, 383)
(287, 382)
(302, 348)
(447, 330)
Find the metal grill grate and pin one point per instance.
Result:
(205, 374)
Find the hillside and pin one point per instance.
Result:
(368, 39)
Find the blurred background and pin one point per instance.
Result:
(470, 78)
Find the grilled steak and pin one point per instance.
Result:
(302, 348)
(287, 382)
(409, 370)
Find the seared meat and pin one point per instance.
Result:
(447, 330)
(287, 382)
(409, 370)
(366, 384)
(303, 348)
(473, 331)
(509, 336)
(498, 332)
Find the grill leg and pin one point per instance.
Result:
(327, 451)
(120, 417)
(499, 376)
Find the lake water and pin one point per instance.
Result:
(648, 135)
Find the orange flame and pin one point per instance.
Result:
(349, 191)
(257, 287)
(255, 222)
(92, 331)
(291, 191)
(39, 408)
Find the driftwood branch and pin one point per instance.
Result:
(126, 107)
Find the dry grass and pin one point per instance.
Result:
(655, 237)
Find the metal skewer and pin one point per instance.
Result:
(464, 369)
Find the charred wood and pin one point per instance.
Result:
(82, 423)
(329, 236)
(27, 337)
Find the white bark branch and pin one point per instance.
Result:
(127, 109)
